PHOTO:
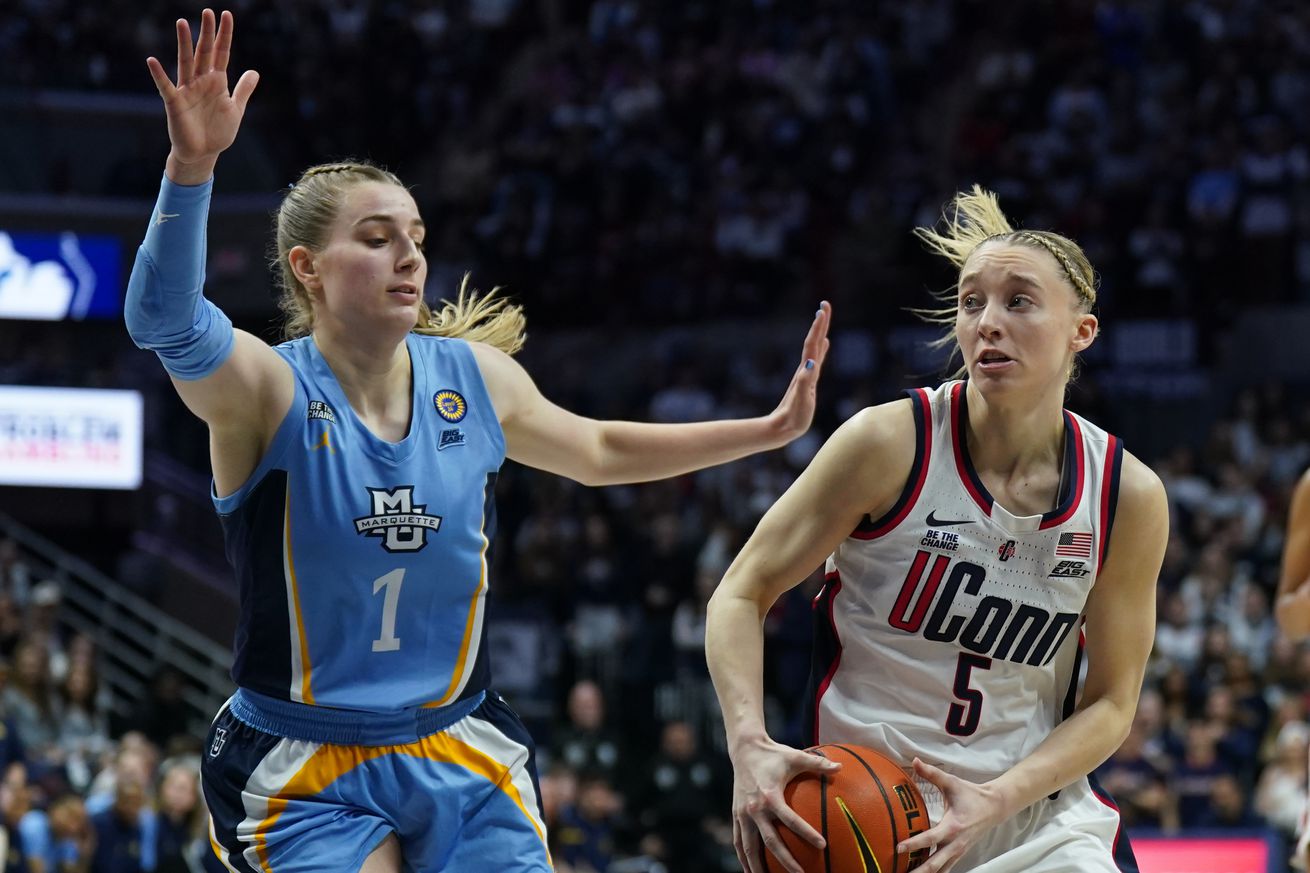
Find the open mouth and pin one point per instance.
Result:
(407, 290)
(991, 360)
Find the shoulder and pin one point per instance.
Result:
(1141, 516)
(1301, 492)
(1140, 486)
(870, 456)
(884, 427)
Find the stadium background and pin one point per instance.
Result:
(669, 189)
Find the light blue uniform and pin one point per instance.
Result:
(361, 663)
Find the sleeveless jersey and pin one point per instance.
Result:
(950, 628)
(363, 563)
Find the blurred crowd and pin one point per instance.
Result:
(621, 162)
(697, 160)
(86, 787)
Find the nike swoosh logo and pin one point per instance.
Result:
(867, 859)
(934, 521)
(165, 216)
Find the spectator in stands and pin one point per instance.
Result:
(127, 832)
(30, 701)
(182, 822)
(1280, 795)
(679, 798)
(15, 805)
(587, 744)
(58, 839)
(1138, 781)
(1193, 778)
(1228, 808)
(84, 724)
(588, 830)
(15, 575)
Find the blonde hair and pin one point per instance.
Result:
(973, 218)
(304, 218)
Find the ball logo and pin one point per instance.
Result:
(450, 405)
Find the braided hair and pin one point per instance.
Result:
(974, 218)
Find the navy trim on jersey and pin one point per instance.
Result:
(1114, 459)
(480, 675)
(825, 656)
(228, 761)
(1074, 464)
(253, 533)
(1071, 695)
(1122, 850)
(497, 712)
(869, 529)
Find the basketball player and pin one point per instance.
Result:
(1292, 609)
(354, 468)
(979, 540)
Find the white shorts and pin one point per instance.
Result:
(1077, 832)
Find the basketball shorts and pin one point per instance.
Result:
(292, 792)
(1077, 831)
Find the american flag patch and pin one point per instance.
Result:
(1074, 545)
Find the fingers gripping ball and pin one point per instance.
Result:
(863, 811)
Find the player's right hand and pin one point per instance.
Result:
(761, 769)
(203, 117)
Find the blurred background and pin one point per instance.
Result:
(669, 189)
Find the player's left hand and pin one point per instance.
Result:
(796, 411)
(971, 811)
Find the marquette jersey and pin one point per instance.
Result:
(363, 563)
(950, 628)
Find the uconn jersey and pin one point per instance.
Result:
(363, 563)
(950, 628)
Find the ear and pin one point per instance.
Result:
(1085, 332)
(303, 267)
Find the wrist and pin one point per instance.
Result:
(747, 738)
(182, 172)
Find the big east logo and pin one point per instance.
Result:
(1022, 633)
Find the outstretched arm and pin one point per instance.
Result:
(1293, 605)
(540, 434)
(1120, 630)
(230, 379)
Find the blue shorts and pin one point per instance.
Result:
(292, 788)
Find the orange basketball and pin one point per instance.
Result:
(863, 811)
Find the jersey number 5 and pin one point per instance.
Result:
(963, 717)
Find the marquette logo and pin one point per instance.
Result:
(867, 859)
(450, 405)
(402, 525)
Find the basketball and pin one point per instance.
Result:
(863, 812)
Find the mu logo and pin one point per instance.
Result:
(402, 524)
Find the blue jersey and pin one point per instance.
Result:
(363, 563)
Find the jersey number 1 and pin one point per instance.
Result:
(387, 641)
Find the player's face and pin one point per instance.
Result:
(373, 265)
(1017, 319)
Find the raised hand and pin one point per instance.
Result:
(796, 410)
(203, 117)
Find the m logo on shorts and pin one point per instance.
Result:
(220, 740)
(402, 525)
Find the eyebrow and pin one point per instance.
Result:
(417, 222)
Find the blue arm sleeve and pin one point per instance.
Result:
(165, 309)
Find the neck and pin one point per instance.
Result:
(1007, 434)
(368, 371)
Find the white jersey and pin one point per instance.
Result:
(950, 628)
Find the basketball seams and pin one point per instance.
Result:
(891, 812)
